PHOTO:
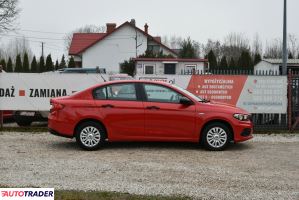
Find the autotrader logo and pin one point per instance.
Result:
(27, 193)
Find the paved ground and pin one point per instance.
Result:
(264, 168)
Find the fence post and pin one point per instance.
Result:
(289, 100)
(1, 111)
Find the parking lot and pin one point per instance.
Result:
(264, 168)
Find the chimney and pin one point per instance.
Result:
(146, 28)
(110, 27)
(133, 22)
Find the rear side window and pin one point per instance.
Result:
(116, 92)
(157, 93)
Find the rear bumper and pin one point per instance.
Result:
(53, 132)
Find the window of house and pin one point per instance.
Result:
(169, 68)
(154, 48)
(149, 69)
(157, 93)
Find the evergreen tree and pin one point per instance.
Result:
(41, 67)
(71, 63)
(245, 61)
(257, 58)
(188, 50)
(128, 67)
(49, 63)
(25, 63)
(56, 65)
(223, 63)
(231, 63)
(3, 63)
(62, 63)
(18, 67)
(290, 56)
(33, 65)
(212, 60)
(9, 65)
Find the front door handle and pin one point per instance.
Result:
(107, 106)
(152, 107)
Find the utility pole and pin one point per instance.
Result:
(284, 48)
(42, 49)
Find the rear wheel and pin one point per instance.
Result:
(216, 136)
(90, 135)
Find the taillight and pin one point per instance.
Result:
(56, 107)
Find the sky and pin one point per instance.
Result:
(199, 19)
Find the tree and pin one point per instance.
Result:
(41, 67)
(34, 65)
(257, 58)
(245, 61)
(3, 63)
(8, 14)
(71, 63)
(212, 60)
(231, 63)
(290, 56)
(25, 63)
(18, 67)
(223, 63)
(188, 49)
(9, 65)
(128, 67)
(62, 63)
(49, 63)
(56, 65)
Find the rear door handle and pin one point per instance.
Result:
(152, 107)
(107, 106)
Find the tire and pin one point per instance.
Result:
(90, 135)
(216, 136)
(22, 121)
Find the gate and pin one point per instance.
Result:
(293, 100)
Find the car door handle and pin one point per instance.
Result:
(152, 107)
(107, 106)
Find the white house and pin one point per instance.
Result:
(108, 50)
(161, 66)
(274, 66)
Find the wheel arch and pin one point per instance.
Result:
(226, 123)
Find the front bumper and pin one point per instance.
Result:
(243, 131)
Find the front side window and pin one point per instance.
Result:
(116, 92)
(157, 93)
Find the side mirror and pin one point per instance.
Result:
(185, 101)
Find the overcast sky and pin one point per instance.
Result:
(199, 19)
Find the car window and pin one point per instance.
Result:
(157, 93)
(116, 92)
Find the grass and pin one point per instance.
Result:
(25, 129)
(100, 195)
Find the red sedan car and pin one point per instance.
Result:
(146, 111)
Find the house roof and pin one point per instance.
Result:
(172, 59)
(279, 61)
(83, 40)
(81, 43)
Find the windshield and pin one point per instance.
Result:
(189, 93)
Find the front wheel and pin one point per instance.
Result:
(90, 135)
(216, 136)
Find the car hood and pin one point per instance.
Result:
(224, 107)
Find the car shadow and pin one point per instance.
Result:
(72, 145)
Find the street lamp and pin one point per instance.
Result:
(284, 48)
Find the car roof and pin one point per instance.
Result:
(132, 81)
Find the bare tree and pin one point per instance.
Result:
(84, 29)
(17, 46)
(8, 14)
(215, 46)
(293, 45)
(273, 49)
(257, 45)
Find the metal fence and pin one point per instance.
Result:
(230, 72)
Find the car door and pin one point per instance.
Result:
(121, 110)
(165, 117)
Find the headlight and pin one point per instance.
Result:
(242, 117)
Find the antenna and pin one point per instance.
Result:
(98, 70)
